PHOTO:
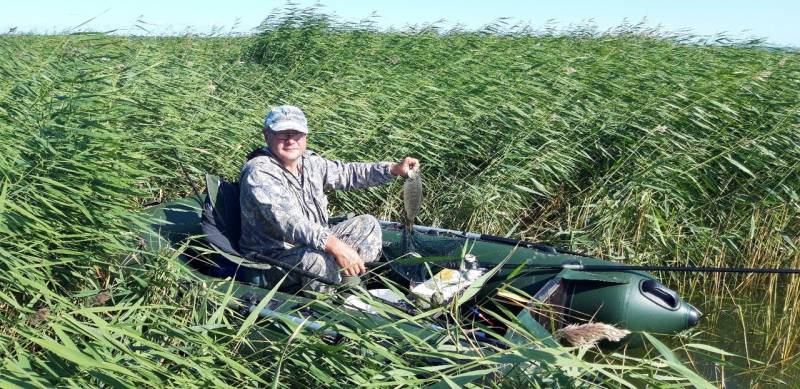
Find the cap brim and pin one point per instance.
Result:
(289, 125)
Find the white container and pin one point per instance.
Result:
(447, 283)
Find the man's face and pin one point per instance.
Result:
(287, 145)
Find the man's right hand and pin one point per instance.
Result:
(347, 258)
(402, 168)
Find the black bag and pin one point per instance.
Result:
(222, 215)
(222, 219)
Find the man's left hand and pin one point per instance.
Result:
(407, 164)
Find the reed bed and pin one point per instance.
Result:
(629, 144)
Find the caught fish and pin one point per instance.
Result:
(412, 202)
(412, 196)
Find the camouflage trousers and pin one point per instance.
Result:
(362, 233)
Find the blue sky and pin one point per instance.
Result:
(771, 19)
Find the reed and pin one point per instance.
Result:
(629, 144)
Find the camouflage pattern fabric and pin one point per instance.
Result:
(363, 233)
(282, 212)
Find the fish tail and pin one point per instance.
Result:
(409, 241)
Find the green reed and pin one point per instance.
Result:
(628, 144)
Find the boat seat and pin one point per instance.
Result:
(221, 226)
(221, 215)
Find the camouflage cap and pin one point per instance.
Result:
(286, 117)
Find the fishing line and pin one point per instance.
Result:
(687, 269)
(293, 269)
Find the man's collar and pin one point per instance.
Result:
(274, 159)
(259, 152)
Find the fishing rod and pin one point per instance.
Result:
(578, 266)
(686, 269)
(292, 269)
(185, 173)
(532, 267)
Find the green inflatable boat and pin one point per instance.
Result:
(521, 276)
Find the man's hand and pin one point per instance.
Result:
(347, 258)
(403, 167)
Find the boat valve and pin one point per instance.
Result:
(694, 316)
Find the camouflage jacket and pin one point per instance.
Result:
(281, 211)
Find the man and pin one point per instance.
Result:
(285, 211)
